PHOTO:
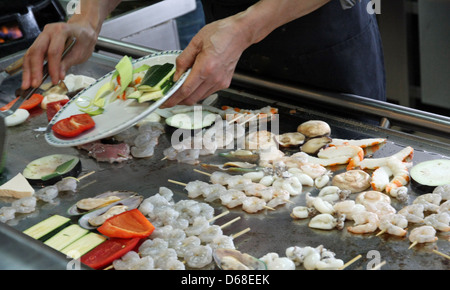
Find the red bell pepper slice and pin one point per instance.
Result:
(54, 107)
(29, 104)
(74, 125)
(108, 251)
(129, 224)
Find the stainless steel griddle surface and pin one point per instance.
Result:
(271, 231)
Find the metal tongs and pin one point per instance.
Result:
(24, 95)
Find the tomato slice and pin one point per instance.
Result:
(29, 104)
(108, 251)
(129, 224)
(74, 125)
(54, 107)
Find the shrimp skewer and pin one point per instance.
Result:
(393, 224)
(365, 222)
(423, 234)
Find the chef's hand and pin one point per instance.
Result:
(50, 44)
(84, 26)
(212, 54)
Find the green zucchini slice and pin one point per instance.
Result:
(46, 228)
(65, 237)
(83, 245)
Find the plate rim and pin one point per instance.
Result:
(58, 142)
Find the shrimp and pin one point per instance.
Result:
(302, 212)
(304, 178)
(186, 245)
(275, 262)
(413, 213)
(290, 184)
(195, 188)
(25, 204)
(280, 196)
(235, 181)
(443, 190)
(211, 232)
(7, 213)
(253, 189)
(365, 222)
(253, 204)
(199, 225)
(430, 201)
(423, 234)
(333, 193)
(232, 198)
(213, 192)
(198, 256)
(393, 224)
(439, 221)
(400, 173)
(219, 177)
(267, 180)
(444, 207)
(319, 204)
(348, 208)
(132, 261)
(222, 241)
(313, 170)
(323, 221)
(381, 208)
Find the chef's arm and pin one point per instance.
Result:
(261, 19)
(85, 26)
(215, 51)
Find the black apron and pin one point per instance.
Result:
(331, 48)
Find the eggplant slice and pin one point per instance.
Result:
(50, 169)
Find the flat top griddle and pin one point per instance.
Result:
(271, 231)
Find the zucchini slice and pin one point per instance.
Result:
(83, 245)
(156, 77)
(46, 228)
(50, 169)
(192, 120)
(429, 174)
(125, 69)
(65, 237)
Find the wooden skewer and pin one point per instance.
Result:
(412, 245)
(202, 172)
(237, 118)
(230, 222)
(219, 216)
(177, 182)
(350, 262)
(240, 233)
(379, 266)
(86, 175)
(109, 267)
(441, 254)
(164, 158)
(268, 207)
(252, 117)
(380, 233)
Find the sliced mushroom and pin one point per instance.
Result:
(353, 180)
(290, 139)
(314, 128)
(60, 89)
(313, 145)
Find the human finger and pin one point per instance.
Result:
(34, 60)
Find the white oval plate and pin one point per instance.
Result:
(118, 115)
